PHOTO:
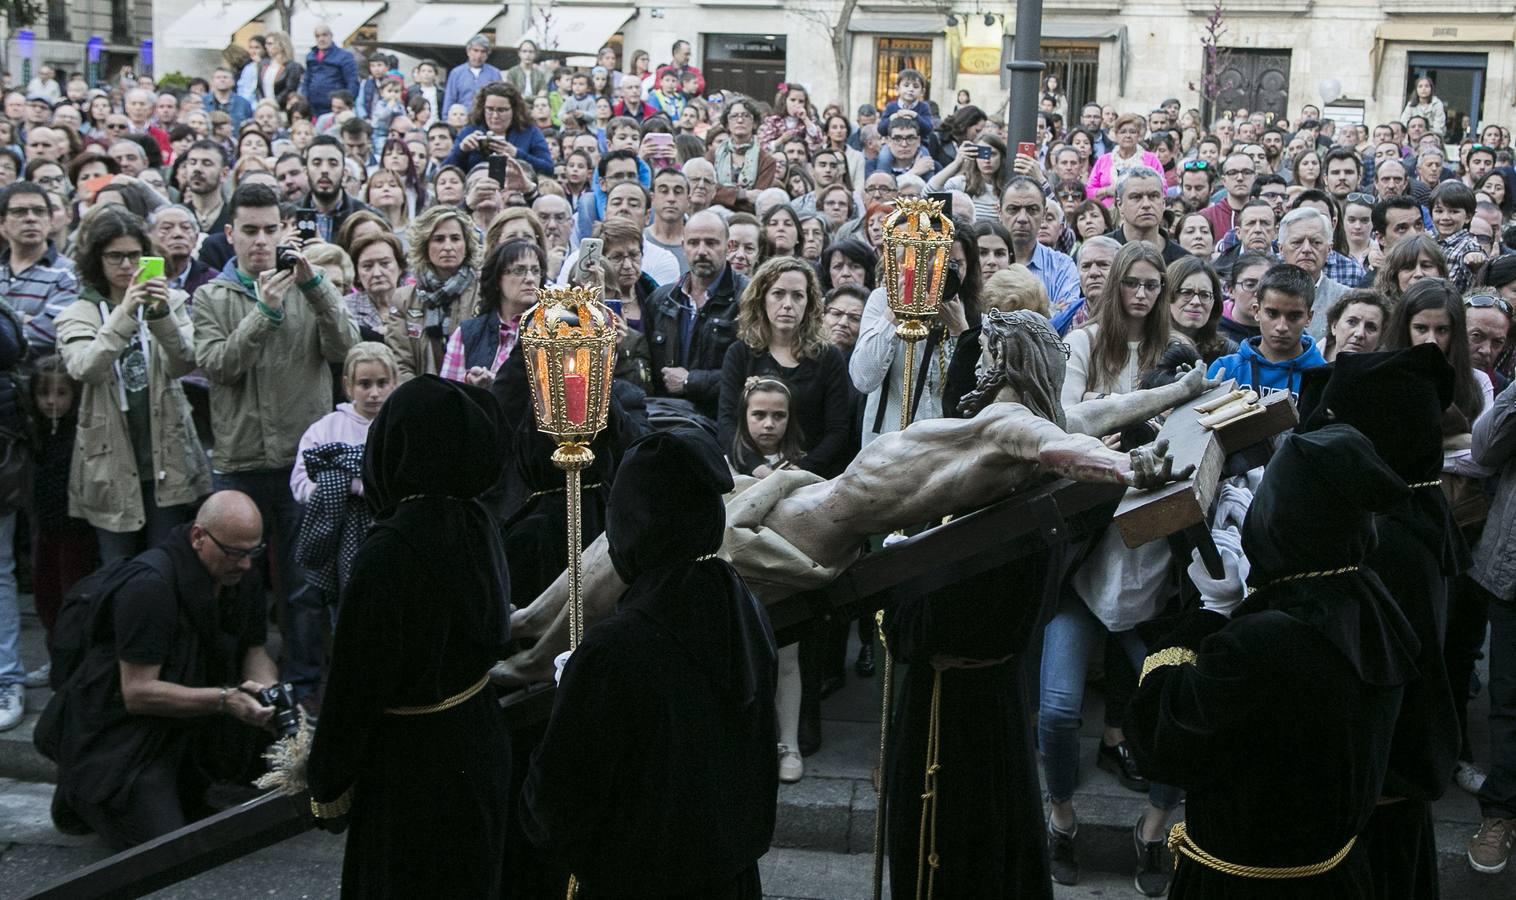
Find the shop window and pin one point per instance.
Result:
(892, 55)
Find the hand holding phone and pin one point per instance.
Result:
(1027, 149)
(150, 267)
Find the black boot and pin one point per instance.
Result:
(810, 724)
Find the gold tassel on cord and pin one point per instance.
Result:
(287, 759)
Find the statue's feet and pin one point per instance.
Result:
(524, 624)
(521, 670)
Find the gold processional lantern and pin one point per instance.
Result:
(918, 242)
(569, 338)
(918, 239)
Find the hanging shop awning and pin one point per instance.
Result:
(440, 25)
(344, 17)
(210, 24)
(578, 29)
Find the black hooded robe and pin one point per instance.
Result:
(536, 551)
(1278, 723)
(990, 841)
(423, 619)
(658, 776)
(1396, 400)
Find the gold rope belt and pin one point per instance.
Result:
(1426, 484)
(439, 706)
(927, 860)
(941, 662)
(1181, 844)
(558, 490)
(1301, 576)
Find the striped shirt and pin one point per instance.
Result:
(40, 292)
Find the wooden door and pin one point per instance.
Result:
(1255, 80)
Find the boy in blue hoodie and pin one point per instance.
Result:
(1275, 359)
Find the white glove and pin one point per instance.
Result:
(1222, 595)
(1232, 505)
(559, 662)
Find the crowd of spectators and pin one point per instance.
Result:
(331, 228)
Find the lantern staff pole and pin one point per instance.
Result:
(573, 458)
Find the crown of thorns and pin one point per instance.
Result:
(1034, 325)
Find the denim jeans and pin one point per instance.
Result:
(1498, 796)
(1071, 639)
(11, 669)
(161, 520)
(301, 616)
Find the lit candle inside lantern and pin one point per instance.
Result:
(908, 276)
(575, 392)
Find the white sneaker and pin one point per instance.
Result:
(790, 766)
(1468, 777)
(38, 678)
(12, 705)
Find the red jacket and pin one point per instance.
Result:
(1221, 216)
(164, 147)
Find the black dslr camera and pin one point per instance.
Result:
(286, 718)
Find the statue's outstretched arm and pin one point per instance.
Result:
(546, 619)
(1109, 415)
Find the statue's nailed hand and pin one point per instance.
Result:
(1196, 383)
(1153, 466)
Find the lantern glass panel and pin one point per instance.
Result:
(542, 392)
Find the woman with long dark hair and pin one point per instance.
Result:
(1129, 330)
(396, 157)
(1431, 312)
(980, 174)
(964, 126)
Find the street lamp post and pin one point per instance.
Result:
(1026, 71)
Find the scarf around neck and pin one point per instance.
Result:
(438, 297)
(724, 171)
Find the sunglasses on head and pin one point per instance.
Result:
(1197, 165)
(1358, 197)
(1488, 301)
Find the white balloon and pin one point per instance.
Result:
(1330, 89)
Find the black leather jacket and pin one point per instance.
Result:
(715, 329)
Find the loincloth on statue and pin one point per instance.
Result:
(772, 567)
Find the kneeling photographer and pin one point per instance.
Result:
(160, 696)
